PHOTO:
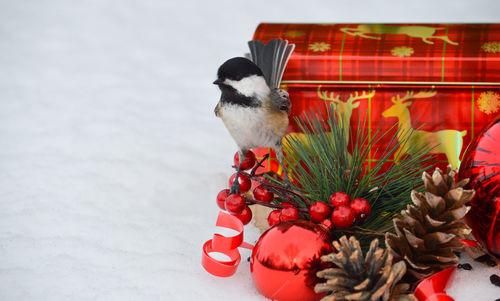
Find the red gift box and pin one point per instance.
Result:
(442, 79)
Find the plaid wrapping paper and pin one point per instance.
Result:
(453, 72)
(466, 53)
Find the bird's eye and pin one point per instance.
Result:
(283, 108)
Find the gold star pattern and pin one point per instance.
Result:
(293, 33)
(489, 102)
(491, 47)
(319, 46)
(402, 51)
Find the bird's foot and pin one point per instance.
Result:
(235, 188)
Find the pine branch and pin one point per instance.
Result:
(325, 163)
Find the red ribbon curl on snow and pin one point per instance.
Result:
(225, 245)
(434, 287)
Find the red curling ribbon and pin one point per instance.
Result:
(225, 245)
(434, 287)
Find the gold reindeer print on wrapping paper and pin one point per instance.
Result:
(375, 31)
(343, 110)
(448, 142)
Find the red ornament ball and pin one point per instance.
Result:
(245, 216)
(318, 211)
(249, 161)
(343, 217)
(289, 214)
(339, 199)
(286, 258)
(481, 164)
(235, 204)
(274, 217)
(221, 198)
(361, 208)
(244, 180)
(262, 194)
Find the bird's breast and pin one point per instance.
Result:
(254, 127)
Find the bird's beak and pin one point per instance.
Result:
(217, 82)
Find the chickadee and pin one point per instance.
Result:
(253, 108)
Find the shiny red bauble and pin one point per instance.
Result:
(318, 211)
(343, 217)
(289, 214)
(244, 180)
(274, 217)
(339, 199)
(262, 194)
(235, 204)
(245, 216)
(286, 258)
(481, 164)
(221, 198)
(361, 208)
(248, 163)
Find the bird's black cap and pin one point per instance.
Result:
(236, 69)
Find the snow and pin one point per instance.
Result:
(110, 154)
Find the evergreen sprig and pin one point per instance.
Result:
(325, 162)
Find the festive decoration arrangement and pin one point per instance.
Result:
(364, 210)
(340, 196)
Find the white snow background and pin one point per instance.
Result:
(110, 154)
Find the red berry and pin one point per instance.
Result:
(245, 216)
(262, 194)
(289, 214)
(318, 211)
(244, 180)
(286, 204)
(343, 217)
(249, 160)
(235, 204)
(221, 198)
(326, 223)
(361, 208)
(274, 217)
(339, 199)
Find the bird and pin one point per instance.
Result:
(252, 106)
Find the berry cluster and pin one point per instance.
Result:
(288, 213)
(344, 211)
(236, 204)
(340, 212)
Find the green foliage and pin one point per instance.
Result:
(324, 162)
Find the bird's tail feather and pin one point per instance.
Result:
(271, 58)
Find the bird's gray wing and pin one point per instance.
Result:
(281, 100)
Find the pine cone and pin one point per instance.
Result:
(358, 277)
(427, 234)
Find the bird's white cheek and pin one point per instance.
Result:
(252, 86)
